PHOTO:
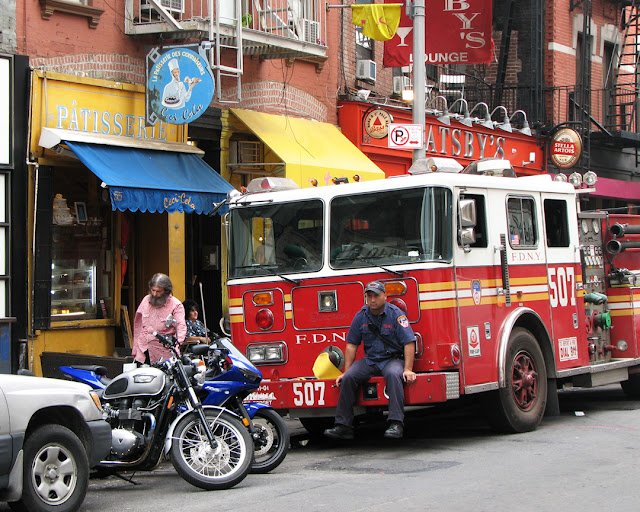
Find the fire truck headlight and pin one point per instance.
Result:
(265, 319)
(267, 353)
(561, 177)
(255, 354)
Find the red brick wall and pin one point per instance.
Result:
(66, 44)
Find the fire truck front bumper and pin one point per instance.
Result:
(429, 388)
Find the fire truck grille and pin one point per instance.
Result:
(453, 385)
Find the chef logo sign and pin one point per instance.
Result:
(179, 85)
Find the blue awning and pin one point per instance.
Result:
(149, 180)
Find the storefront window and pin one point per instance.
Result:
(81, 249)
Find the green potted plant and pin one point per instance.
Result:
(247, 18)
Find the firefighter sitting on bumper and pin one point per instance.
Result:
(389, 349)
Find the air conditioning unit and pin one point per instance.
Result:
(366, 70)
(169, 5)
(401, 83)
(310, 30)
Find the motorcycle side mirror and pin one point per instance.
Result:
(170, 321)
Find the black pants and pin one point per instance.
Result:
(359, 373)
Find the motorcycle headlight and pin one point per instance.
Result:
(252, 376)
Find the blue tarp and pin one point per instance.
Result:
(153, 181)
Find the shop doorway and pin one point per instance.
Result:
(144, 252)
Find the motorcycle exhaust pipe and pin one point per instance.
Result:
(615, 246)
(619, 230)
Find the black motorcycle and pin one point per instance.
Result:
(154, 409)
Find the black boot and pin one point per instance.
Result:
(339, 432)
(395, 430)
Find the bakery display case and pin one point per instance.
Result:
(74, 272)
(73, 292)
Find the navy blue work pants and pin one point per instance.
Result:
(359, 373)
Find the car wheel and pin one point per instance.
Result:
(56, 471)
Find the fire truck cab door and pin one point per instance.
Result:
(563, 281)
(477, 271)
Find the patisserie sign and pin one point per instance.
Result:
(180, 85)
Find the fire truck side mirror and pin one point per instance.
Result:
(468, 213)
(468, 220)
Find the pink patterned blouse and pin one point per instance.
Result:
(150, 319)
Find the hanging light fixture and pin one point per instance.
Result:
(466, 118)
(526, 129)
(486, 122)
(505, 124)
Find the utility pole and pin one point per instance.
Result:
(417, 12)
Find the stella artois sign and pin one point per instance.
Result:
(565, 148)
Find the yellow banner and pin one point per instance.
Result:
(94, 107)
(378, 21)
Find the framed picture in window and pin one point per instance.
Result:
(81, 212)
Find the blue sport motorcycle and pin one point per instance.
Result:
(223, 377)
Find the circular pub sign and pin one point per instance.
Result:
(376, 123)
(566, 148)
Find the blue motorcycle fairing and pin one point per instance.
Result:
(84, 376)
(253, 407)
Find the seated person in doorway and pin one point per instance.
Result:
(196, 331)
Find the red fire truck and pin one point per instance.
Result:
(511, 291)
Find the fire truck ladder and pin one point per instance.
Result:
(232, 44)
(504, 265)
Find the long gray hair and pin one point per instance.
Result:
(161, 281)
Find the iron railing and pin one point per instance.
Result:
(299, 21)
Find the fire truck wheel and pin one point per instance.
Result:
(519, 406)
(631, 387)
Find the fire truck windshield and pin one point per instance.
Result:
(367, 230)
(276, 238)
(391, 227)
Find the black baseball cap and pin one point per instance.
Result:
(376, 287)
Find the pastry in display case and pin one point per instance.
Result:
(73, 292)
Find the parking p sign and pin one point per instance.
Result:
(405, 136)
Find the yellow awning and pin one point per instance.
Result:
(310, 149)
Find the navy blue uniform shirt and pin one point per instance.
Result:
(393, 325)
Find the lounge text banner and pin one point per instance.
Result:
(457, 32)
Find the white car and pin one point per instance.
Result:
(51, 433)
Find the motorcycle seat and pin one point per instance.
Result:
(95, 368)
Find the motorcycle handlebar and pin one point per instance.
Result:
(169, 341)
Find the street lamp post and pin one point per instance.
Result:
(417, 11)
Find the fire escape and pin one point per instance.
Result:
(620, 99)
(229, 30)
(581, 100)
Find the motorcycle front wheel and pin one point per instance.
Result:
(272, 443)
(208, 467)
